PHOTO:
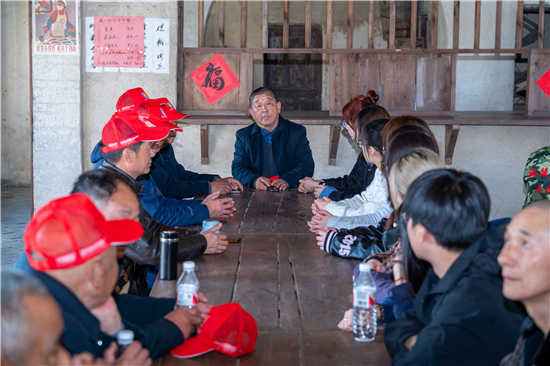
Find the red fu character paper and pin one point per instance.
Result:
(214, 79)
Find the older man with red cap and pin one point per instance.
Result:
(71, 249)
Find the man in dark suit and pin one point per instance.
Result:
(273, 147)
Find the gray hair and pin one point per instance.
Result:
(17, 333)
(261, 90)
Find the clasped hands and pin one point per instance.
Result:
(319, 221)
(310, 185)
(262, 183)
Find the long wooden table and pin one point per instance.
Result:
(296, 292)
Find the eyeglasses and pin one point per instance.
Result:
(360, 145)
(344, 123)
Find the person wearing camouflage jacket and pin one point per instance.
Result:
(537, 176)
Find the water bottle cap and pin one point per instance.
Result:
(364, 267)
(125, 336)
(169, 234)
(188, 265)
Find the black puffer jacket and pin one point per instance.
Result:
(357, 243)
(462, 318)
(146, 251)
(357, 181)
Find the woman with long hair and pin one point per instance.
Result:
(394, 293)
(360, 176)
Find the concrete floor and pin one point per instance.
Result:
(16, 213)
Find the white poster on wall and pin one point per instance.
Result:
(156, 54)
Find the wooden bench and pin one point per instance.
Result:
(313, 118)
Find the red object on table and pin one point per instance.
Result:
(273, 178)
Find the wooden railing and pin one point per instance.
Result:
(399, 70)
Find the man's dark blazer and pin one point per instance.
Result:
(291, 152)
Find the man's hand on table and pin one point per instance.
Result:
(262, 183)
(219, 208)
(280, 184)
(215, 243)
(226, 185)
(186, 319)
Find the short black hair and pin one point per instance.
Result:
(98, 184)
(453, 206)
(114, 157)
(261, 90)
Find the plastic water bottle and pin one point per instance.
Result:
(124, 338)
(188, 287)
(364, 305)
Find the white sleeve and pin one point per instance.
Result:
(351, 222)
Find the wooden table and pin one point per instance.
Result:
(296, 292)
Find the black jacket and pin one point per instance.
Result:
(146, 251)
(357, 243)
(460, 319)
(291, 152)
(82, 331)
(357, 181)
(532, 348)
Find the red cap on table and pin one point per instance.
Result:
(127, 128)
(69, 231)
(227, 329)
(131, 98)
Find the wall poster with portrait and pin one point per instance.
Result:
(55, 27)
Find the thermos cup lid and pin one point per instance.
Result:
(169, 234)
(125, 336)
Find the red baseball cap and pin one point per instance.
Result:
(156, 114)
(69, 231)
(227, 329)
(173, 114)
(131, 98)
(127, 128)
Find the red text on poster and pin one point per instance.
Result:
(118, 42)
(214, 79)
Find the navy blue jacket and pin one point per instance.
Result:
(170, 211)
(82, 331)
(460, 319)
(290, 150)
(174, 181)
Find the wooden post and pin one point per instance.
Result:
(414, 9)
(31, 99)
(329, 23)
(334, 139)
(540, 41)
(349, 38)
(370, 41)
(204, 144)
(451, 135)
(456, 24)
(477, 23)
(179, 73)
(243, 23)
(308, 23)
(201, 23)
(265, 43)
(221, 23)
(391, 43)
(529, 98)
(435, 15)
(286, 9)
(498, 31)
(519, 25)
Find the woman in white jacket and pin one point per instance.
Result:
(371, 205)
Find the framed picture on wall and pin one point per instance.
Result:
(42, 6)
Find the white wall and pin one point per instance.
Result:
(15, 107)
